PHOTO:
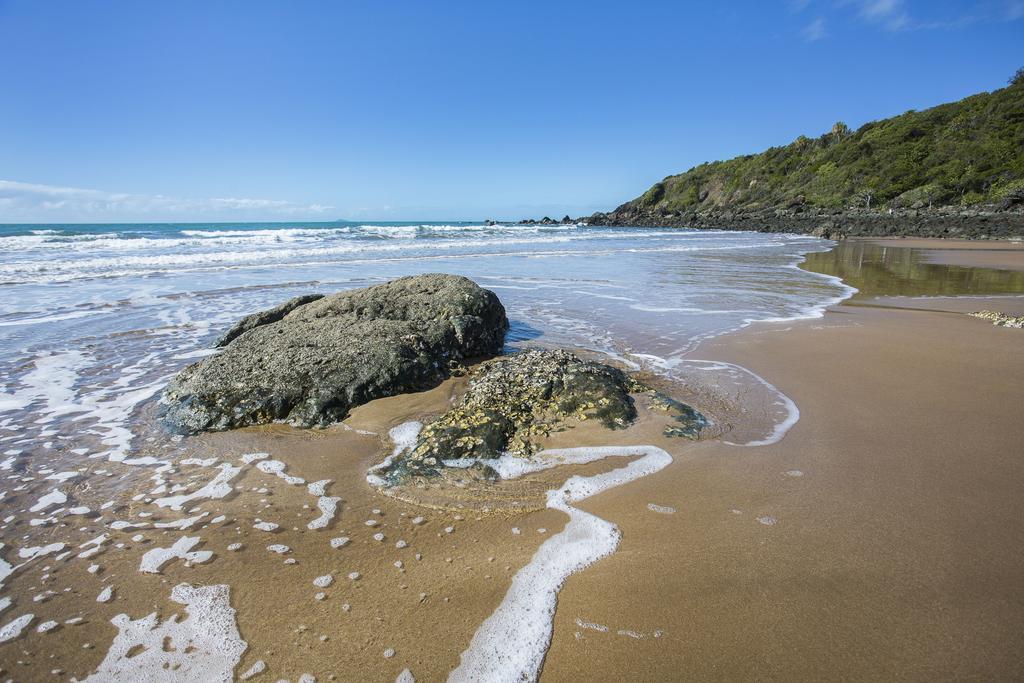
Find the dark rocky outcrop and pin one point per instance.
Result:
(977, 223)
(689, 421)
(271, 315)
(514, 400)
(310, 362)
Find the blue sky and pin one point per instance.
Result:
(178, 111)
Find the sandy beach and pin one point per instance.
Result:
(880, 538)
(416, 343)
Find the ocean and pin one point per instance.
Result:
(95, 318)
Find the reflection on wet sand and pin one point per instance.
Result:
(880, 270)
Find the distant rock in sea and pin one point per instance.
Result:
(312, 359)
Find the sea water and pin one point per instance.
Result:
(95, 318)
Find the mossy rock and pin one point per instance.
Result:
(691, 421)
(515, 401)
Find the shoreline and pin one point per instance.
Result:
(982, 224)
(879, 539)
(773, 558)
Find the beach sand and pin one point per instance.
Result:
(881, 538)
(895, 548)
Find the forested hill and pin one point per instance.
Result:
(945, 166)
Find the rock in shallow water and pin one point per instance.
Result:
(514, 401)
(310, 362)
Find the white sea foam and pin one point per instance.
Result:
(55, 497)
(328, 506)
(40, 551)
(93, 547)
(181, 524)
(13, 628)
(204, 646)
(591, 627)
(216, 488)
(277, 468)
(511, 643)
(403, 437)
(47, 626)
(154, 560)
(258, 667)
(202, 462)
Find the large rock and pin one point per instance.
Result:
(514, 401)
(310, 362)
(271, 315)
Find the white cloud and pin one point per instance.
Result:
(50, 203)
(889, 14)
(814, 31)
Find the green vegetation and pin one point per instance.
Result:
(961, 153)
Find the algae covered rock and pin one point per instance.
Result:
(311, 360)
(515, 400)
(690, 421)
(1001, 319)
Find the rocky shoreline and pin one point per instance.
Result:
(313, 358)
(943, 222)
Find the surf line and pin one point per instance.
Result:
(510, 645)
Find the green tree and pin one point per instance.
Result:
(840, 131)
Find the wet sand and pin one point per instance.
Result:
(894, 543)
(881, 538)
(420, 590)
(1005, 255)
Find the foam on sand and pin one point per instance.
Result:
(404, 438)
(14, 628)
(258, 667)
(510, 645)
(277, 467)
(156, 558)
(328, 505)
(5, 568)
(55, 497)
(40, 551)
(93, 547)
(217, 488)
(205, 646)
